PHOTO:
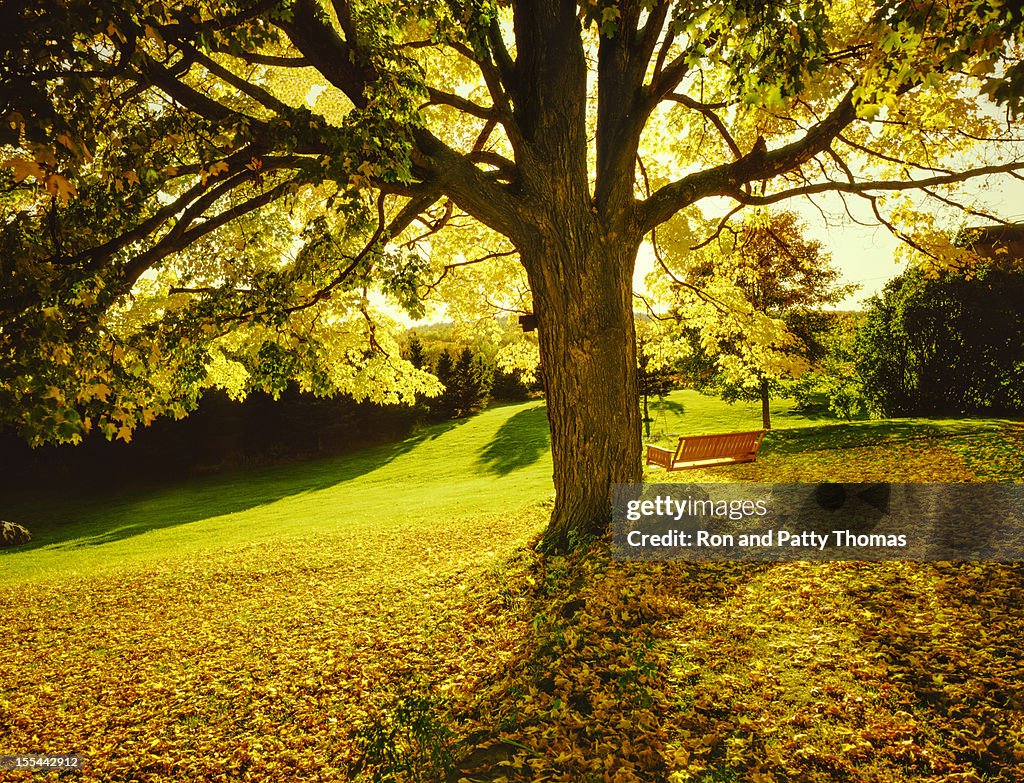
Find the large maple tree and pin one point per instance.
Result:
(213, 189)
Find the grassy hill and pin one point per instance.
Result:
(498, 460)
(286, 623)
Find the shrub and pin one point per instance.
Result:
(945, 346)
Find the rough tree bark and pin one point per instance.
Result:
(579, 248)
(583, 301)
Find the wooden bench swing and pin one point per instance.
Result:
(705, 451)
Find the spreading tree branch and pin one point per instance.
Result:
(867, 186)
(713, 118)
(758, 164)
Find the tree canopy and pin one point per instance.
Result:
(750, 305)
(216, 192)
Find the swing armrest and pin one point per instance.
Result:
(656, 455)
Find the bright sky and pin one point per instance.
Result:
(866, 254)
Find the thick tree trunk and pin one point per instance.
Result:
(577, 239)
(766, 414)
(582, 291)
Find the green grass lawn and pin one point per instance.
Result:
(818, 448)
(687, 412)
(498, 460)
(271, 624)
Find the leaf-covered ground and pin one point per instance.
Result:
(255, 663)
(844, 671)
(323, 630)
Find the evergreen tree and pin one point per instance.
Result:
(508, 386)
(483, 372)
(446, 404)
(416, 355)
(472, 383)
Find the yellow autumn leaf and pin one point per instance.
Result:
(23, 168)
(60, 187)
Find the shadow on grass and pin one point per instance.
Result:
(519, 442)
(569, 619)
(663, 405)
(72, 517)
(783, 442)
(811, 414)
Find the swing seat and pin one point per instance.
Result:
(705, 451)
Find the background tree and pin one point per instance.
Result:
(945, 346)
(756, 295)
(416, 355)
(445, 405)
(472, 380)
(509, 386)
(833, 379)
(187, 183)
(657, 369)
